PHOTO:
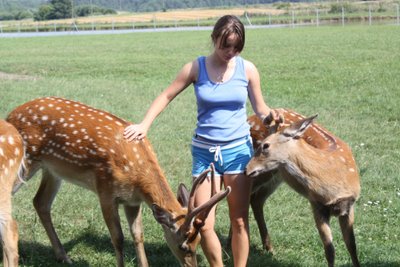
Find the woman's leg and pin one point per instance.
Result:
(209, 240)
(238, 202)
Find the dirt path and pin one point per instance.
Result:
(15, 77)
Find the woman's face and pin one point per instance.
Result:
(229, 50)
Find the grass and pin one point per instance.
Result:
(349, 75)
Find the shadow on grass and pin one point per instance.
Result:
(375, 264)
(257, 257)
(35, 254)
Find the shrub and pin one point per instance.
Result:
(337, 8)
(87, 10)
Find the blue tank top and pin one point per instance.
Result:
(221, 107)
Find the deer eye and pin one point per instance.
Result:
(265, 146)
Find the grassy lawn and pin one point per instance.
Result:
(349, 75)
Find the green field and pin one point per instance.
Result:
(349, 75)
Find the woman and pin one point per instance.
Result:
(222, 82)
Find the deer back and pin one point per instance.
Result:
(315, 136)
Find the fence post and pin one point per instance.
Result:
(398, 15)
(369, 15)
(1, 28)
(269, 18)
(292, 18)
(247, 17)
(317, 11)
(342, 16)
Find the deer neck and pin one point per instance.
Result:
(138, 173)
(307, 168)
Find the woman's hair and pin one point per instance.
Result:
(226, 26)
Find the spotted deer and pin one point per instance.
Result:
(317, 165)
(71, 141)
(11, 158)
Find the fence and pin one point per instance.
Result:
(369, 15)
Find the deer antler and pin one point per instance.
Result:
(205, 208)
(199, 180)
(272, 124)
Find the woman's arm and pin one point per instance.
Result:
(186, 76)
(255, 94)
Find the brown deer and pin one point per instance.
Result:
(84, 145)
(322, 169)
(11, 158)
(266, 183)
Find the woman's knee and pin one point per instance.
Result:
(239, 223)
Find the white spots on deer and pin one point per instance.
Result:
(251, 123)
(10, 140)
(126, 168)
(17, 152)
(257, 127)
(72, 132)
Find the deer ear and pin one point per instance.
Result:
(183, 195)
(162, 216)
(297, 129)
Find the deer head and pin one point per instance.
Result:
(183, 239)
(274, 150)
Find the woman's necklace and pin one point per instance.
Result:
(221, 72)
(220, 77)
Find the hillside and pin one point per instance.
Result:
(136, 5)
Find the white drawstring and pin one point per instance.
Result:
(217, 153)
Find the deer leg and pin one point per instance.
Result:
(263, 187)
(9, 236)
(322, 217)
(346, 225)
(109, 208)
(257, 204)
(42, 202)
(134, 217)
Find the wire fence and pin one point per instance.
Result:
(371, 15)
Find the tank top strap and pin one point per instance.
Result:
(240, 69)
(202, 68)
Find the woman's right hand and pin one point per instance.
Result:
(135, 132)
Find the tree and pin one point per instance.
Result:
(56, 9)
(62, 9)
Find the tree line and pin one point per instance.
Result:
(58, 9)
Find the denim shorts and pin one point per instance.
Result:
(228, 158)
